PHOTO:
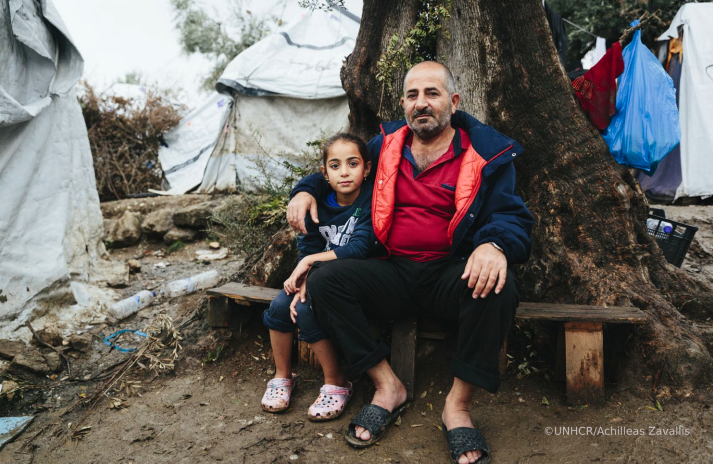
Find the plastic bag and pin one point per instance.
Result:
(645, 127)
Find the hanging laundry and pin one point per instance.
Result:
(559, 33)
(645, 127)
(675, 47)
(596, 89)
(595, 54)
(661, 187)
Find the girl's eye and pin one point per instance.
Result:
(353, 164)
(334, 166)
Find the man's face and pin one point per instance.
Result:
(426, 103)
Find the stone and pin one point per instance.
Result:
(50, 335)
(10, 348)
(134, 265)
(8, 389)
(30, 359)
(175, 234)
(214, 245)
(277, 262)
(53, 360)
(157, 223)
(125, 231)
(194, 216)
(81, 342)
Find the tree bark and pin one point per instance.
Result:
(590, 244)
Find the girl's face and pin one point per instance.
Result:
(344, 167)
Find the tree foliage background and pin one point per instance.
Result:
(201, 32)
(609, 19)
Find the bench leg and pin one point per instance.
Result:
(219, 309)
(305, 356)
(403, 352)
(503, 360)
(584, 347)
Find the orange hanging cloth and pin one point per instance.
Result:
(596, 89)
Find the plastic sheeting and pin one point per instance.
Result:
(270, 130)
(50, 221)
(302, 61)
(287, 92)
(189, 145)
(696, 99)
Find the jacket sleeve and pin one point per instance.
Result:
(504, 218)
(312, 242)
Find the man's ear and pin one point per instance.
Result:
(455, 100)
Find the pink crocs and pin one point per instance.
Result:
(330, 403)
(277, 395)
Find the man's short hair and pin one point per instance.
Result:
(450, 81)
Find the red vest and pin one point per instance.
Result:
(469, 180)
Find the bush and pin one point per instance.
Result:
(125, 137)
(249, 221)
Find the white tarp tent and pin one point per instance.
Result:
(696, 97)
(50, 221)
(285, 91)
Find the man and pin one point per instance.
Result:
(448, 222)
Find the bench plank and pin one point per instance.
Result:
(580, 313)
(248, 293)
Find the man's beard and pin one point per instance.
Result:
(435, 125)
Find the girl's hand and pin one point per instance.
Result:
(299, 297)
(293, 308)
(292, 284)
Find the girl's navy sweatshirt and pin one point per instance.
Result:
(347, 230)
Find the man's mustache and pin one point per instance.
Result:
(423, 112)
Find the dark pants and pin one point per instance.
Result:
(345, 293)
(277, 317)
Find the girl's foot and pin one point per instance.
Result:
(278, 393)
(330, 403)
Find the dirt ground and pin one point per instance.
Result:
(209, 411)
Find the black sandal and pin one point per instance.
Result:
(375, 419)
(463, 439)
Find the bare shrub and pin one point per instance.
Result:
(125, 137)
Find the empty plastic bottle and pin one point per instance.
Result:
(665, 227)
(129, 306)
(191, 284)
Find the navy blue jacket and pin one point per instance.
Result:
(346, 230)
(497, 214)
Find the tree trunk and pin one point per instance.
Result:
(590, 244)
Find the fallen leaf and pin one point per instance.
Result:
(220, 379)
(658, 406)
(398, 421)
(544, 401)
(430, 406)
(416, 425)
(423, 395)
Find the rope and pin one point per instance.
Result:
(108, 340)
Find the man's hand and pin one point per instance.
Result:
(297, 210)
(486, 266)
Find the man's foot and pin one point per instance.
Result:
(390, 394)
(457, 414)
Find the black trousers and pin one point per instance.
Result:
(345, 293)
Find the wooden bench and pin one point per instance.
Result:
(580, 344)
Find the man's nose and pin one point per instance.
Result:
(421, 102)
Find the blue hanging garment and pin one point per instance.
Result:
(645, 126)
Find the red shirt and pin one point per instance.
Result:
(425, 203)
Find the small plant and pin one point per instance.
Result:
(176, 246)
(210, 357)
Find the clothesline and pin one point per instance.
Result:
(579, 27)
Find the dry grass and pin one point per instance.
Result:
(125, 138)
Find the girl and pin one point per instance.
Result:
(344, 231)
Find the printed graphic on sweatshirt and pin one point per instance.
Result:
(339, 236)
